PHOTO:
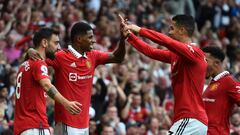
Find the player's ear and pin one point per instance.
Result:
(44, 43)
(78, 38)
(183, 31)
(217, 62)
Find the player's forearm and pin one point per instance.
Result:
(52, 92)
(120, 52)
(55, 95)
(126, 110)
(122, 95)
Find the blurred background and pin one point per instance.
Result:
(134, 97)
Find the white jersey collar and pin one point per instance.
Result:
(75, 53)
(219, 76)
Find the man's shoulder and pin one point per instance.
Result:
(62, 52)
(37, 64)
(229, 80)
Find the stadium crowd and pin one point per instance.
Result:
(134, 97)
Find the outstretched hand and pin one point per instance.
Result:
(124, 27)
(127, 28)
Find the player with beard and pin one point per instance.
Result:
(221, 94)
(74, 71)
(33, 84)
(188, 68)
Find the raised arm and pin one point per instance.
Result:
(186, 50)
(175, 46)
(118, 55)
(154, 53)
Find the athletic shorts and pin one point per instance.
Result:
(63, 129)
(35, 131)
(188, 126)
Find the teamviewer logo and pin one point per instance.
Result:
(73, 77)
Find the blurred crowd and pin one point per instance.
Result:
(135, 97)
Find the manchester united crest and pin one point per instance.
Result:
(88, 64)
(213, 87)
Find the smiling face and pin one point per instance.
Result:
(87, 41)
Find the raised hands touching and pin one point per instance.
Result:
(127, 28)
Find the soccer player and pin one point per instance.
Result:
(74, 71)
(188, 69)
(221, 94)
(33, 84)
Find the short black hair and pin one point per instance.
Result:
(214, 51)
(79, 28)
(43, 33)
(185, 21)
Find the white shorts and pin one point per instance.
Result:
(36, 131)
(188, 126)
(63, 129)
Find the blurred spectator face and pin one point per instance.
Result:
(154, 125)
(4, 92)
(133, 130)
(160, 113)
(3, 106)
(143, 75)
(92, 126)
(106, 42)
(112, 93)
(235, 119)
(136, 100)
(22, 28)
(53, 46)
(142, 129)
(147, 86)
(10, 41)
(12, 78)
(105, 119)
(122, 69)
(133, 76)
(136, 130)
(37, 16)
(107, 130)
(22, 13)
(112, 112)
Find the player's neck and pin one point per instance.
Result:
(79, 50)
(41, 52)
(217, 72)
(185, 40)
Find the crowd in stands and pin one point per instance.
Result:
(135, 97)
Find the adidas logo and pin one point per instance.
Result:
(73, 64)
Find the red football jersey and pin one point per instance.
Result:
(74, 74)
(138, 115)
(30, 110)
(188, 68)
(220, 96)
